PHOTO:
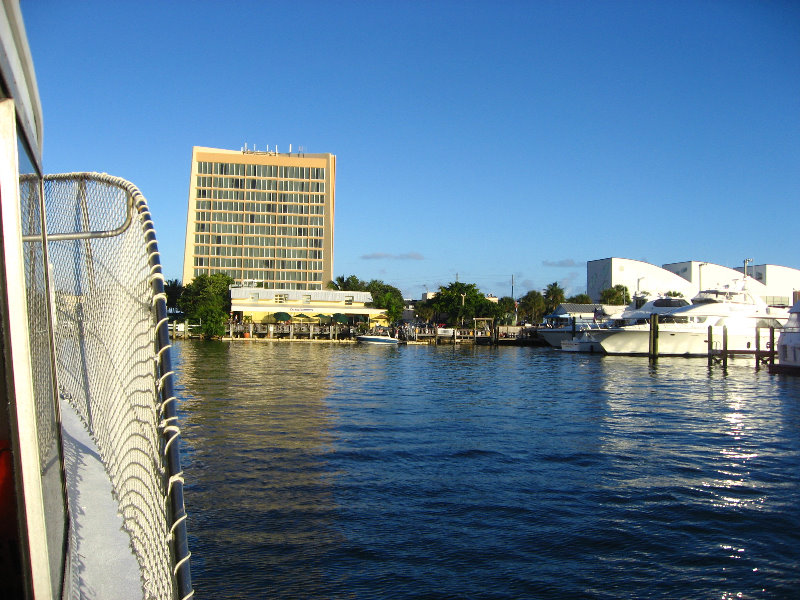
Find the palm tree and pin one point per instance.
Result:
(580, 299)
(617, 295)
(553, 296)
(531, 305)
(173, 289)
(507, 307)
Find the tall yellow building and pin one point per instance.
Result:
(263, 218)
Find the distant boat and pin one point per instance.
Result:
(376, 338)
(583, 343)
(789, 344)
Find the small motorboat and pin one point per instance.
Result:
(583, 343)
(376, 338)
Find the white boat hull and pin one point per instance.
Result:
(376, 339)
(680, 341)
(789, 349)
(554, 337)
(579, 345)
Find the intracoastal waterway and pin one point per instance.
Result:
(367, 472)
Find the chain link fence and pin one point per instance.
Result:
(113, 362)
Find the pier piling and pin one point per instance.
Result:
(652, 351)
(710, 347)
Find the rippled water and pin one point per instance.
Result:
(337, 471)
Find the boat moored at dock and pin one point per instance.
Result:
(788, 359)
(377, 338)
(584, 343)
(738, 314)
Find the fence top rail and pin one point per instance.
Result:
(133, 196)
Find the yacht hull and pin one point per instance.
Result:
(680, 341)
(377, 339)
(554, 337)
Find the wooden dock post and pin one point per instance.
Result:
(758, 348)
(724, 346)
(771, 348)
(652, 353)
(710, 346)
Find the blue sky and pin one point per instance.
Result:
(476, 140)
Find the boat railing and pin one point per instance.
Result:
(113, 361)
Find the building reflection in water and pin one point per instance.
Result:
(262, 510)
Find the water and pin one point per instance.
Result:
(325, 471)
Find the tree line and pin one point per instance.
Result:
(206, 301)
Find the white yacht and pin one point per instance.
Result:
(789, 344)
(583, 337)
(684, 330)
(642, 307)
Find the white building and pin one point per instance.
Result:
(636, 275)
(782, 283)
(777, 285)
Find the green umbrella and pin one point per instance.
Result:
(339, 318)
(282, 316)
(301, 316)
(321, 317)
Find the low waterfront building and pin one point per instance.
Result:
(265, 305)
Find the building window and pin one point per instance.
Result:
(281, 298)
(306, 298)
(348, 301)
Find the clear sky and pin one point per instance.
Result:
(473, 139)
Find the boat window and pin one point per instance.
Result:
(670, 303)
